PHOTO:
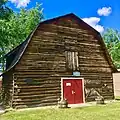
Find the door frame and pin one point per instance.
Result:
(63, 78)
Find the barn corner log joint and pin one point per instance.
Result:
(55, 49)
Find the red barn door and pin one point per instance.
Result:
(73, 90)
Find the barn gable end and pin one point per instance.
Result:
(41, 62)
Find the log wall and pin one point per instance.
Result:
(8, 88)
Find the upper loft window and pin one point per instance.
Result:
(72, 60)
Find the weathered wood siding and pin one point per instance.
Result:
(7, 88)
(0, 85)
(44, 62)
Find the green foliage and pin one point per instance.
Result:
(15, 30)
(21, 24)
(5, 12)
(112, 41)
(2, 3)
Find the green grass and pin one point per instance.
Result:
(109, 111)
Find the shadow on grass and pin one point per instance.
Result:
(117, 98)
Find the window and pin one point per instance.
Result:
(72, 60)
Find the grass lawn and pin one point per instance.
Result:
(109, 111)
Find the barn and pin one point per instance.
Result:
(62, 58)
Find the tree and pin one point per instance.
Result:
(5, 11)
(22, 23)
(15, 30)
(112, 41)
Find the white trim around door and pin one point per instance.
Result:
(63, 78)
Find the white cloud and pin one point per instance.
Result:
(20, 3)
(93, 21)
(104, 11)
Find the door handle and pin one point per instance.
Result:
(73, 92)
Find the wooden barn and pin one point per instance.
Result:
(62, 58)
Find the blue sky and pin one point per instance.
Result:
(100, 14)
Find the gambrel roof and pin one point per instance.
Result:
(18, 51)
